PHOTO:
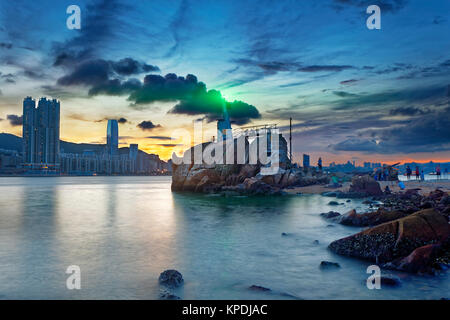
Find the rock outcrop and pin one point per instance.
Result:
(392, 240)
(245, 178)
(365, 185)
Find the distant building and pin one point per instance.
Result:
(133, 151)
(10, 161)
(40, 133)
(112, 137)
(306, 163)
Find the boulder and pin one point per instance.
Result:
(365, 184)
(420, 260)
(330, 214)
(394, 239)
(171, 278)
(372, 218)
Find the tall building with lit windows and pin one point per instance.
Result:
(112, 137)
(40, 133)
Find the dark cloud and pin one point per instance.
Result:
(408, 96)
(129, 66)
(408, 111)
(8, 78)
(392, 6)
(115, 87)
(168, 88)
(344, 94)
(81, 117)
(321, 68)
(211, 104)
(97, 73)
(348, 82)
(429, 133)
(148, 125)
(169, 145)
(92, 72)
(439, 20)
(269, 67)
(4, 45)
(192, 96)
(159, 138)
(14, 120)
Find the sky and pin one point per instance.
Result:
(157, 66)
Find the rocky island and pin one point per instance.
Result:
(245, 177)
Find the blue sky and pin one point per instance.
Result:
(353, 93)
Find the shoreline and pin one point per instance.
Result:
(425, 187)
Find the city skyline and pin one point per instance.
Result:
(353, 93)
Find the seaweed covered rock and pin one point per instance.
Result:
(395, 239)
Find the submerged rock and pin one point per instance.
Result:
(258, 288)
(333, 203)
(171, 278)
(329, 264)
(390, 280)
(167, 295)
(330, 214)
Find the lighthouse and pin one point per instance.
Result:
(223, 124)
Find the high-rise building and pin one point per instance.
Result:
(40, 133)
(306, 160)
(112, 137)
(28, 130)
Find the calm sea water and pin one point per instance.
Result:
(123, 231)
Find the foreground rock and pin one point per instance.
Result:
(428, 259)
(171, 278)
(373, 218)
(392, 240)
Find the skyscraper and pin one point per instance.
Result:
(28, 130)
(306, 161)
(41, 132)
(112, 137)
